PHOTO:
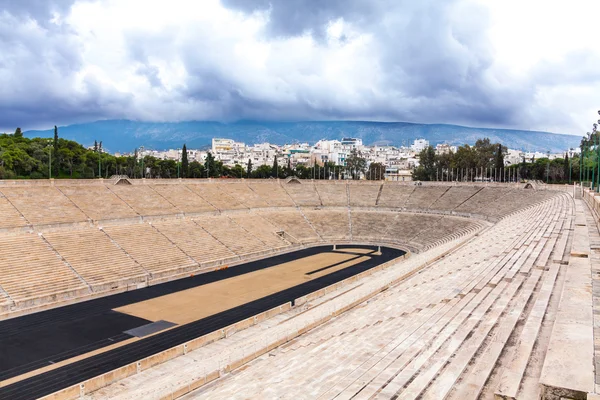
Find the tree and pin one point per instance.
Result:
(18, 133)
(376, 172)
(566, 166)
(55, 164)
(262, 172)
(211, 167)
(355, 164)
(499, 161)
(236, 172)
(249, 168)
(275, 169)
(485, 153)
(196, 170)
(426, 170)
(185, 167)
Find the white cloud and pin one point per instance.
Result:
(522, 64)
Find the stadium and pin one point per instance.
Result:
(162, 289)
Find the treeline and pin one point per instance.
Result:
(42, 158)
(485, 162)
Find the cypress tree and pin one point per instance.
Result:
(499, 161)
(210, 166)
(55, 165)
(184, 162)
(18, 133)
(275, 170)
(566, 167)
(249, 168)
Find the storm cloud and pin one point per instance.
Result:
(456, 61)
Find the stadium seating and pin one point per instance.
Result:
(449, 336)
(371, 225)
(332, 194)
(330, 224)
(98, 202)
(454, 197)
(43, 205)
(10, 217)
(480, 201)
(236, 238)
(496, 300)
(260, 228)
(293, 223)
(303, 195)
(231, 220)
(245, 195)
(395, 195)
(144, 199)
(194, 241)
(150, 248)
(30, 271)
(424, 196)
(95, 257)
(183, 198)
(272, 193)
(215, 196)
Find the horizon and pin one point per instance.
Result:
(291, 122)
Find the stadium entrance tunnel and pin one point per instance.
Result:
(48, 351)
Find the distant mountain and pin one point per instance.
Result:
(125, 135)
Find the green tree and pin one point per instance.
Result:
(355, 164)
(376, 172)
(426, 170)
(196, 170)
(566, 166)
(262, 172)
(185, 166)
(485, 153)
(211, 166)
(55, 165)
(249, 168)
(18, 133)
(499, 161)
(237, 171)
(275, 169)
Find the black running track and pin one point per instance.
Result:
(37, 340)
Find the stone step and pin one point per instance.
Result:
(427, 369)
(385, 368)
(568, 368)
(513, 374)
(406, 358)
(500, 330)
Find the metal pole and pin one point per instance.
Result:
(587, 167)
(598, 160)
(580, 164)
(570, 169)
(593, 174)
(548, 168)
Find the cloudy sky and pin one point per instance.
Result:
(528, 64)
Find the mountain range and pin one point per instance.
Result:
(126, 135)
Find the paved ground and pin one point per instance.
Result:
(49, 340)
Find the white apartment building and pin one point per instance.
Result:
(419, 145)
(445, 149)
